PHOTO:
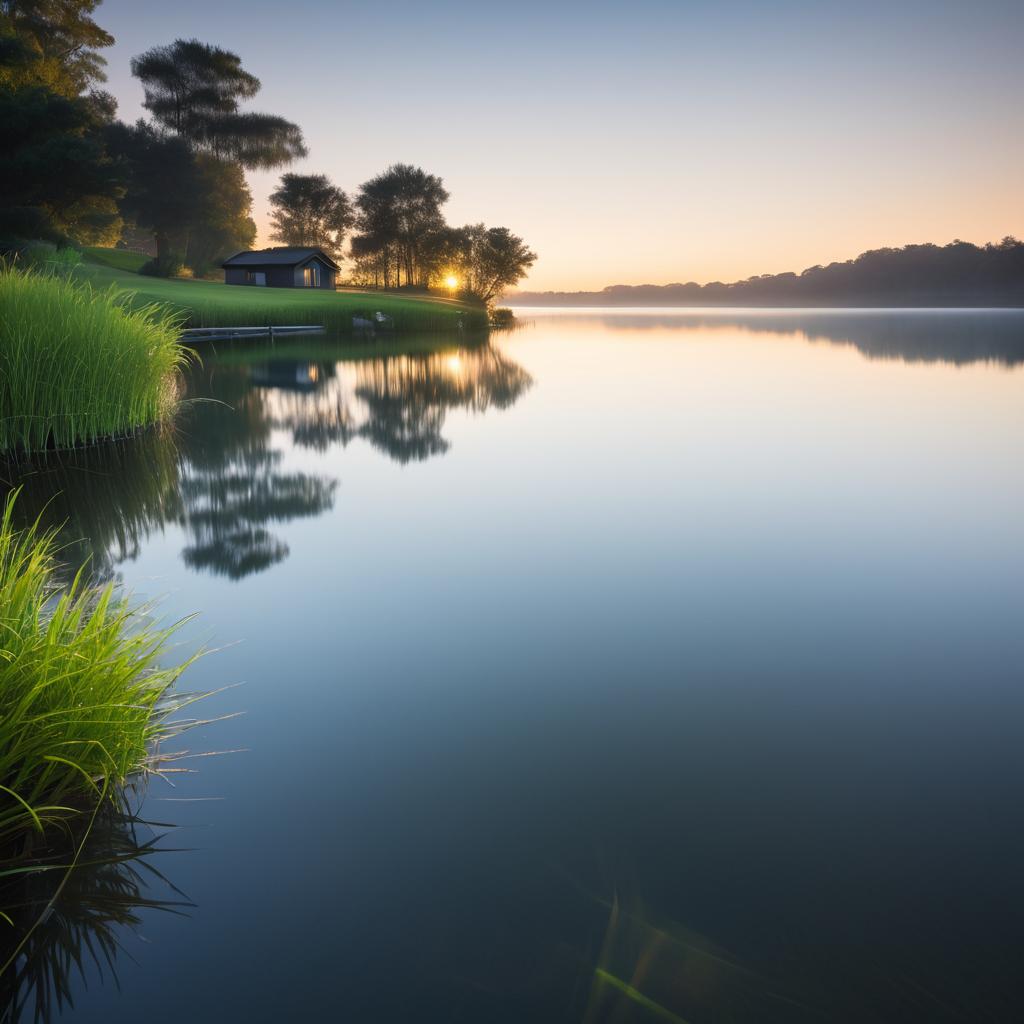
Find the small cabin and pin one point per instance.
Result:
(283, 267)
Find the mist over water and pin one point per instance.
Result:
(645, 665)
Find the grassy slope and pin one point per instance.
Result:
(119, 259)
(211, 304)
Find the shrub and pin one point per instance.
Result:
(43, 256)
(77, 365)
(170, 266)
(502, 318)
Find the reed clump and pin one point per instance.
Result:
(78, 365)
(85, 696)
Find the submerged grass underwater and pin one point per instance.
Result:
(212, 304)
(78, 364)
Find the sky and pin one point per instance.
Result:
(643, 142)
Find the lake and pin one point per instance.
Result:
(641, 665)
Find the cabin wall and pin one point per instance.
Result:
(280, 277)
(277, 277)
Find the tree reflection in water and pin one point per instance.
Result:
(399, 404)
(218, 473)
(231, 483)
(951, 336)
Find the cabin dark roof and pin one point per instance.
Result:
(282, 256)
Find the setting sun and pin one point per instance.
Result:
(451, 281)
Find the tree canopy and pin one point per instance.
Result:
(194, 89)
(51, 43)
(56, 179)
(307, 210)
(489, 260)
(399, 210)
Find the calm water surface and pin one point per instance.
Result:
(640, 666)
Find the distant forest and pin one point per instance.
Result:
(958, 274)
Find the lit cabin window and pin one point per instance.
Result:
(311, 276)
(250, 277)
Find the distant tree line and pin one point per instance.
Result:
(958, 274)
(70, 172)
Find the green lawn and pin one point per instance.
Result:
(212, 304)
(119, 259)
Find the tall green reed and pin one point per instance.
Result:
(77, 365)
(85, 691)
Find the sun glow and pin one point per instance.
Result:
(452, 282)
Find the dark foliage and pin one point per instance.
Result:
(165, 187)
(193, 89)
(56, 178)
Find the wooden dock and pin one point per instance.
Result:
(212, 333)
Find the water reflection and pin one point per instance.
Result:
(221, 474)
(399, 405)
(956, 337)
(109, 498)
(729, 732)
(232, 484)
(65, 925)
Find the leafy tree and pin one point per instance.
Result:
(51, 43)
(55, 178)
(165, 190)
(399, 211)
(310, 211)
(193, 89)
(489, 260)
(223, 225)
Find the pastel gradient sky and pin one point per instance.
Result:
(644, 141)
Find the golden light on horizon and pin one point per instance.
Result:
(452, 282)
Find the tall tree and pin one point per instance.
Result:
(194, 89)
(310, 211)
(165, 191)
(398, 212)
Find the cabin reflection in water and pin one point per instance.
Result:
(286, 374)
